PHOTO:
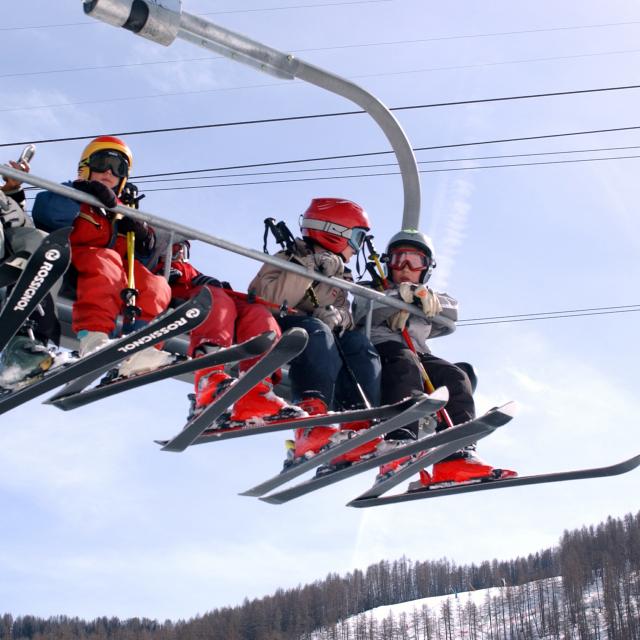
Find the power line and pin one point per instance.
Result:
(326, 115)
(616, 310)
(371, 75)
(389, 173)
(210, 13)
(337, 47)
(142, 179)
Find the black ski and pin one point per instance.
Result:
(421, 406)
(425, 458)
(249, 349)
(43, 269)
(462, 433)
(288, 347)
(174, 323)
(427, 492)
(333, 417)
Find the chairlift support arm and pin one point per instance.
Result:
(163, 21)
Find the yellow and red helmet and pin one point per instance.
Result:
(105, 146)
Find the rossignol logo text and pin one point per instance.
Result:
(158, 333)
(35, 284)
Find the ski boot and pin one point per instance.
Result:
(461, 466)
(22, 359)
(143, 361)
(308, 442)
(259, 404)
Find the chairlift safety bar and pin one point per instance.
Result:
(445, 325)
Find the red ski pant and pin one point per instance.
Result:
(102, 275)
(232, 320)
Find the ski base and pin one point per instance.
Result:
(288, 347)
(420, 406)
(456, 437)
(331, 418)
(483, 485)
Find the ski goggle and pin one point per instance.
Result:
(106, 160)
(414, 260)
(357, 238)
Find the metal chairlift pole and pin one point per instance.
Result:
(162, 21)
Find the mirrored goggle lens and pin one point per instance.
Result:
(357, 238)
(102, 161)
(415, 260)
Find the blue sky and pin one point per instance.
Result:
(98, 521)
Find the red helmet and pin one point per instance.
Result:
(335, 224)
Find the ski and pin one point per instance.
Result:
(288, 347)
(83, 371)
(425, 458)
(420, 406)
(331, 418)
(427, 492)
(462, 434)
(44, 268)
(66, 400)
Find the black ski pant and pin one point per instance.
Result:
(401, 376)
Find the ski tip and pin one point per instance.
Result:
(172, 447)
(441, 393)
(271, 499)
(162, 443)
(357, 503)
(509, 409)
(251, 493)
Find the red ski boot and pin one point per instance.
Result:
(308, 442)
(462, 466)
(258, 404)
(366, 449)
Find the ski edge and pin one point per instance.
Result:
(438, 399)
(291, 343)
(615, 469)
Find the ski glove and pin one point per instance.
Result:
(422, 296)
(329, 264)
(398, 320)
(333, 317)
(201, 280)
(145, 237)
(98, 190)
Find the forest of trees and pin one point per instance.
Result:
(530, 605)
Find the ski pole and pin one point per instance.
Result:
(426, 381)
(350, 372)
(128, 295)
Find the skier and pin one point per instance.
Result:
(323, 376)
(410, 262)
(28, 353)
(233, 318)
(99, 253)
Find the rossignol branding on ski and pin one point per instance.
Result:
(83, 372)
(68, 399)
(43, 273)
(160, 333)
(43, 269)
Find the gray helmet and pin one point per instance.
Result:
(419, 240)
